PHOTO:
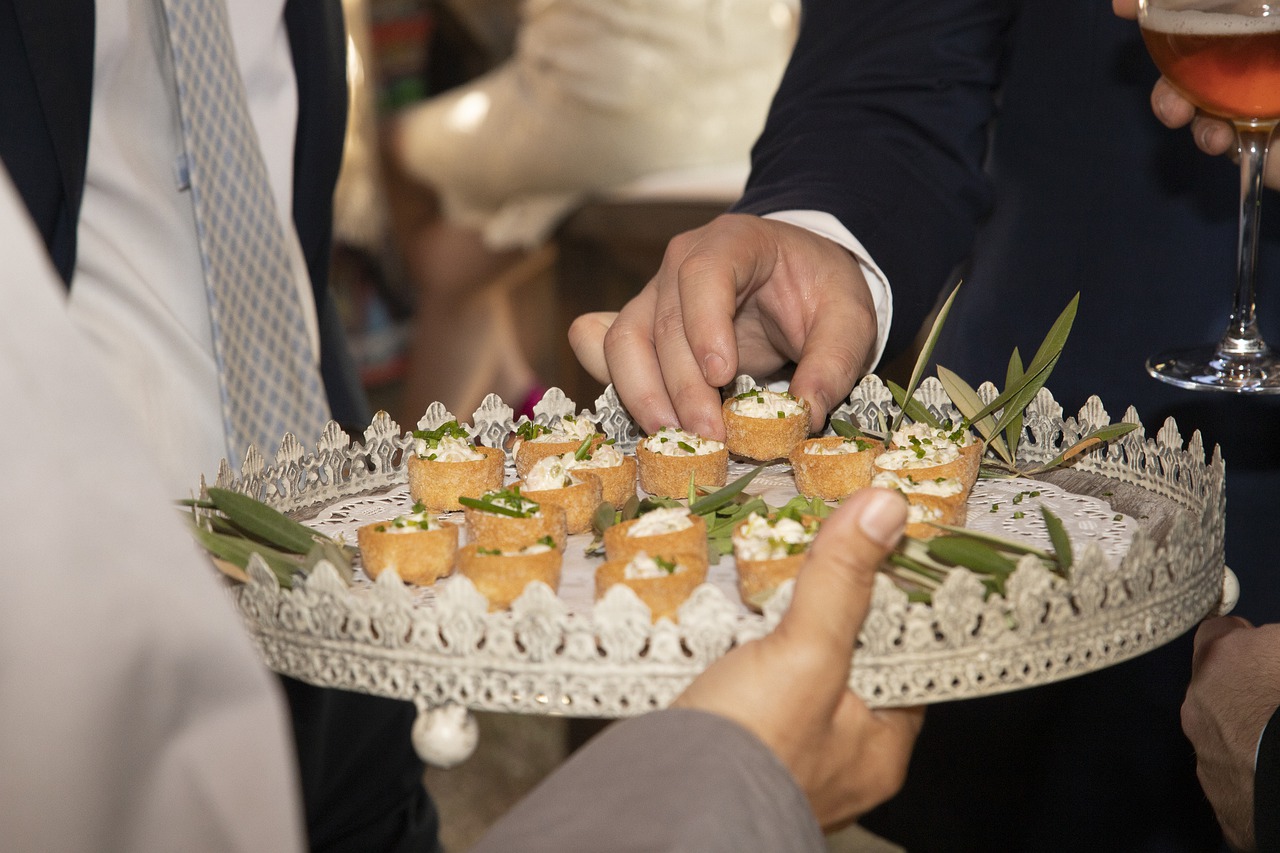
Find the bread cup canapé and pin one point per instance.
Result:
(768, 551)
(506, 520)
(833, 467)
(670, 457)
(444, 465)
(420, 547)
(930, 501)
(958, 451)
(615, 470)
(666, 530)
(501, 575)
(551, 482)
(662, 581)
(764, 425)
(535, 441)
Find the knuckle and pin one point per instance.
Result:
(668, 323)
(621, 335)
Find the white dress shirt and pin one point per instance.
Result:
(135, 713)
(138, 290)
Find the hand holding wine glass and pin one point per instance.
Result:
(1223, 56)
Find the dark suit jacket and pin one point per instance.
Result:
(1266, 789)
(361, 780)
(1011, 142)
(46, 65)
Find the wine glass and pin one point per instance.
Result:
(1224, 57)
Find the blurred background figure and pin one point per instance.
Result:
(597, 97)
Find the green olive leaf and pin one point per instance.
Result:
(926, 353)
(604, 517)
(712, 502)
(971, 554)
(845, 429)
(911, 407)
(1013, 430)
(1058, 536)
(1087, 442)
(262, 521)
(236, 550)
(970, 404)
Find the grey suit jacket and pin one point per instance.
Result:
(674, 781)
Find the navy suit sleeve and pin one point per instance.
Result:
(881, 120)
(1266, 788)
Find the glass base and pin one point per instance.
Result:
(1208, 368)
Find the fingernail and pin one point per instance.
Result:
(884, 518)
(713, 368)
(819, 408)
(1162, 105)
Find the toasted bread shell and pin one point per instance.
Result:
(529, 452)
(420, 557)
(965, 468)
(579, 501)
(664, 595)
(763, 439)
(957, 468)
(668, 476)
(832, 476)
(439, 484)
(503, 578)
(617, 482)
(692, 541)
(758, 580)
(954, 512)
(511, 534)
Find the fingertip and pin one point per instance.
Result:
(1169, 106)
(716, 370)
(819, 407)
(833, 590)
(704, 419)
(881, 515)
(1125, 8)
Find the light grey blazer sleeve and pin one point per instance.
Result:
(674, 780)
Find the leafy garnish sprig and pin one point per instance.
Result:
(529, 430)
(921, 566)
(722, 509)
(231, 527)
(508, 502)
(432, 437)
(998, 422)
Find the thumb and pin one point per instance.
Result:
(833, 590)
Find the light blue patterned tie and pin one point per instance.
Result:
(270, 382)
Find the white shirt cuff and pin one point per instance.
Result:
(826, 225)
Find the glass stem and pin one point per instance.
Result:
(1242, 336)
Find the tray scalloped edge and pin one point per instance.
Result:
(541, 658)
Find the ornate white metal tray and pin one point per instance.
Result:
(1145, 515)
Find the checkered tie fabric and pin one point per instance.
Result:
(270, 381)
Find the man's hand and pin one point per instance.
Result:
(1235, 688)
(791, 687)
(1212, 135)
(739, 295)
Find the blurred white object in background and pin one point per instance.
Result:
(599, 94)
